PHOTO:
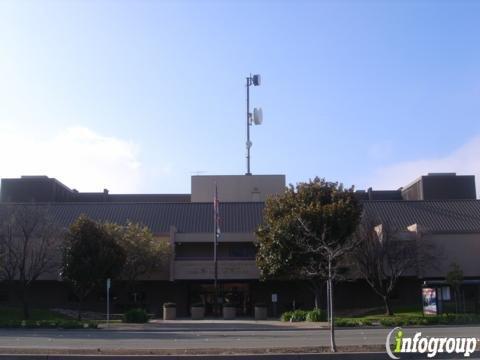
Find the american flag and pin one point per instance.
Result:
(216, 212)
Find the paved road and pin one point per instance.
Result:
(206, 343)
(338, 356)
(108, 340)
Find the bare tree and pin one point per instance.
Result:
(385, 254)
(29, 247)
(333, 250)
(454, 279)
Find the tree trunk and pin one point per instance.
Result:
(328, 300)
(333, 346)
(132, 289)
(456, 301)
(26, 309)
(388, 307)
(12, 292)
(316, 288)
(80, 301)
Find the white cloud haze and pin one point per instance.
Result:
(464, 161)
(77, 156)
(88, 161)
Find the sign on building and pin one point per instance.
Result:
(429, 296)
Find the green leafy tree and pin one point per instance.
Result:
(307, 232)
(145, 254)
(92, 255)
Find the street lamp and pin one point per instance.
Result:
(255, 118)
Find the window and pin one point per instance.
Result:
(241, 250)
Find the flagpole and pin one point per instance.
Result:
(215, 239)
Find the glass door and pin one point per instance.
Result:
(234, 293)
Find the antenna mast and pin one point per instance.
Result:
(257, 116)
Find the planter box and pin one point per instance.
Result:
(260, 313)
(229, 313)
(169, 313)
(198, 313)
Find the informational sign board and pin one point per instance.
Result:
(446, 293)
(429, 296)
(274, 298)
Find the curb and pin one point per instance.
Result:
(200, 351)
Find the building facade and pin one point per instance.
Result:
(451, 222)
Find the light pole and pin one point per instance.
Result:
(257, 117)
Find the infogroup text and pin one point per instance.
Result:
(428, 344)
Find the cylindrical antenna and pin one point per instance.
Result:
(255, 80)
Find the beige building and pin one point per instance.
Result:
(187, 221)
(237, 188)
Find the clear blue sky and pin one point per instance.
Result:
(141, 94)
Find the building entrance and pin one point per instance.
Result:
(233, 293)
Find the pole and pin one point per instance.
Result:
(328, 301)
(333, 346)
(108, 301)
(248, 126)
(215, 266)
(215, 238)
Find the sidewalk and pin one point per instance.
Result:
(216, 325)
(148, 340)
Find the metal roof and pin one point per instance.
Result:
(186, 217)
(244, 217)
(449, 216)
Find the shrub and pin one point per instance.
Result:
(341, 322)
(169, 305)
(135, 316)
(362, 322)
(91, 325)
(286, 316)
(49, 324)
(70, 324)
(344, 322)
(352, 322)
(316, 315)
(390, 321)
(10, 324)
(465, 318)
(444, 319)
(299, 315)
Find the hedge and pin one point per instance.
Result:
(135, 316)
(444, 319)
(316, 315)
(296, 315)
(49, 324)
(352, 322)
